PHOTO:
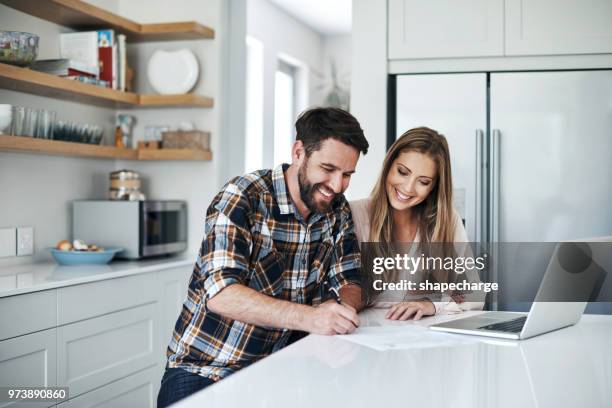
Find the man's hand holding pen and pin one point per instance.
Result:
(333, 316)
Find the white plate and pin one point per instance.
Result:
(173, 72)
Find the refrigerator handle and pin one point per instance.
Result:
(479, 224)
(494, 190)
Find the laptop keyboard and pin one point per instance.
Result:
(511, 326)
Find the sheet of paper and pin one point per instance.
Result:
(376, 317)
(404, 337)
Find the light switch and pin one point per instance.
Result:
(8, 242)
(25, 241)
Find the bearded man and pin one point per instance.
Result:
(275, 242)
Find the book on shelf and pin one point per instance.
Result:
(64, 67)
(81, 47)
(106, 41)
(122, 60)
(101, 55)
(112, 51)
(89, 80)
(115, 67)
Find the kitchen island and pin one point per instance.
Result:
(571, 367)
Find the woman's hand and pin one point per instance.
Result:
(458, 297)
(415, 309)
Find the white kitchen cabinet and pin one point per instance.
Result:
(29, 361)
(104, 339)
(85, 301)
(135, 391)
(27, 313)
(173, 293)
(174, 285)
(549, 27)
(496, 28)
(445, 28)
(95, 352)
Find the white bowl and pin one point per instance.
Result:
(173, 72)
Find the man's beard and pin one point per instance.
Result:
(307, 191)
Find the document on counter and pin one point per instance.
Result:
(404, 337)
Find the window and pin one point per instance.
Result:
(285, 106)
(253, 159)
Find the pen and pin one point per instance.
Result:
(334, 293)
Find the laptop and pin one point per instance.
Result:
(544, 316)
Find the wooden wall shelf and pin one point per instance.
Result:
(40, 83)
(55, 147)
(188, 100)
(174, 154)
(79, 15)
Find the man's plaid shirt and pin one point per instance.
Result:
(255, 237)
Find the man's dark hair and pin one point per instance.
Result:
(316, 125)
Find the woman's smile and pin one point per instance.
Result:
(402, 197)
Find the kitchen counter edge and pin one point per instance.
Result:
(49, 275)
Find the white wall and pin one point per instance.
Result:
(337, 48)
(196, 182)
(369, 89)
(37, 190)
(280, 33)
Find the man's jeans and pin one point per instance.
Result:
(177, 384)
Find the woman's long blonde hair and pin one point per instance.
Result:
(434, 216)
(435, 213)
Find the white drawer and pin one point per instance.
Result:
(174, 285)
(29, 361)
(136, 391)
(97, 351)
(82, 302)
(23, 314)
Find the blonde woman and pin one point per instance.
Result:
(412, 203)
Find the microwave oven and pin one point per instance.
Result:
(142, 228)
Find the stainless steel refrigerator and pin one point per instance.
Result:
(531, 152)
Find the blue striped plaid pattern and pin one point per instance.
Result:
(254, 236)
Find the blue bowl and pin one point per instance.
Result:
(84, 257)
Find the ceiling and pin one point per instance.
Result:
(328, 17)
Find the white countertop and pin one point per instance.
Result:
(20, 279)
(571, 367)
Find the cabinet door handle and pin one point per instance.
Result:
(480, 163)
(494, 186)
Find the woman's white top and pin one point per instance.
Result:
(361, 219)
